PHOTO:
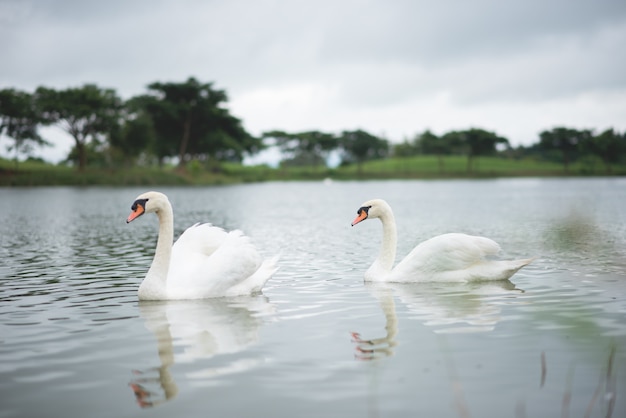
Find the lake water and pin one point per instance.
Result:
(76, 342)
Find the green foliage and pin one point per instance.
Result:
(87, 113)
(134, 136)
(609, 146)
(19, 120)
(427, 166)
(404, 149)
(472, 142)
(304, 148)
(480, 143)
(190, 121)
(33, 173)
(564, 140)
(360, 146)
(427, 143)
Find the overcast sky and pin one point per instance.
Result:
(393, 68)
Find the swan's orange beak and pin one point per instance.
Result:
(362, 215)
(137, 212)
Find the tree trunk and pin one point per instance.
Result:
(440, 163)
(606, 160)
(82, 155)
(469, 163)
(17, 152)
(184, 142)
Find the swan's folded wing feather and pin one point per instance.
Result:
(452, 251)
(234, 261)
(214, 274)
(201, 237)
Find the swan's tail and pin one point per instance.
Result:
(255, 283)
(524, 262)
(496, 269)
(512, 266)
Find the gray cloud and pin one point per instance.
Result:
(358, 57)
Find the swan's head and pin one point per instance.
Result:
(376, 208)
(146, 203)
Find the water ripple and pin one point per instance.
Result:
(71, 326)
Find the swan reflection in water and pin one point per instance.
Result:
(189, 331)
(447, 307)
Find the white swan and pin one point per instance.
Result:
(205, 261)
(446, 258)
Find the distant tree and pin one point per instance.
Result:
(134, 135)
(430, 144)
(564, 140)
(480, 143)
(404, 149)
(19, 120)
(87, 113)
(359, 146)
(96, 152)
(454, 142)
(304, 148)
(225, 140)
(166, 141)
(610, 146)
(190, 120)
(425, 143)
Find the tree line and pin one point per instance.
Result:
(559, 144)
(190, 121)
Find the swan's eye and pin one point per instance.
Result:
(138, 202)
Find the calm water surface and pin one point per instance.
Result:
(76, 342)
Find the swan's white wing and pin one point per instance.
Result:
(455, 258)
(202, 268)
(199, 238)
(444, 253)
(233, 263)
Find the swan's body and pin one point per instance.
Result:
(205, 261)
(450, 257)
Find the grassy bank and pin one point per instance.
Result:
(457, 167)
(426, 167)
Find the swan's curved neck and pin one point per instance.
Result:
(387, 255)
(155, 283)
